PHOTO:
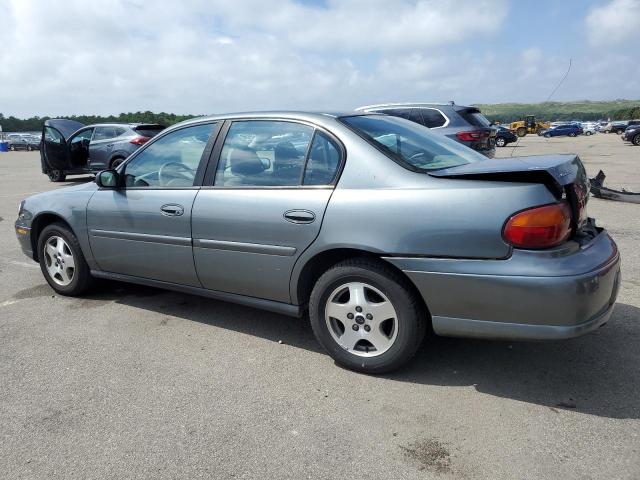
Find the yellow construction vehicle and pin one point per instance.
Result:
(528, 125)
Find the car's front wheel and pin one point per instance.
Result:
(56, 175)
(636, 140)
(500, 142)
(366, 316)
(62, 262)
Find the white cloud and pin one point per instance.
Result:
(616, 22)
(206, 56)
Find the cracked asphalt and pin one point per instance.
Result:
(135, 382)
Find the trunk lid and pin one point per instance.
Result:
(564, 175)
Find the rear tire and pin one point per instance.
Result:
(116, 162)
(62, 262)
(636, 140)
(572, 134)
(500, 142)
(378, 328)
(56, 175)
(521, 132)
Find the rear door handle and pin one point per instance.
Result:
(172, 210)
(299, 216)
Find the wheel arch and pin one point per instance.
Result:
(322, 261)
(39, 223)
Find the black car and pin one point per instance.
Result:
(23, 142)
(504, 136)
(620, 127)
(466, 125)
(71, 148)
(632, 134)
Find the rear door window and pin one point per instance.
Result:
(263, 153)
(432, 118)
(399, 112)
(104, 133)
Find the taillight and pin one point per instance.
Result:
(473, 135)
(539, 227)
(140, 140)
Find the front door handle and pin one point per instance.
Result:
(299, 216)
(172, 210)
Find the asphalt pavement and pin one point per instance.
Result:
(136, 382)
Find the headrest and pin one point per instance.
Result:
(244, 161)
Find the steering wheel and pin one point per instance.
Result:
(164, 178)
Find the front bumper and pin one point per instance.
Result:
(23, 233)
(533, 295)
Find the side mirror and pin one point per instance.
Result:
(107, 179)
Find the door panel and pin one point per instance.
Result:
(54, 149)
(130, 233)
(244, 244)
(101, 147)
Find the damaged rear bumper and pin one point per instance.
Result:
(533, 295)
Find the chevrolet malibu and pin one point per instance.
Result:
(380, 229)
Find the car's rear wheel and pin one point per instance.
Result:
(636, 140)
(500, 142)
(572, 134)
(12, 148)
(116, 162)
(56, 175)
(366, 316)
(62, 262)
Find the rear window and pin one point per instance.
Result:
(475, 118)
(149, 130)
(411, 144)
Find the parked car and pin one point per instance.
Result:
(632, 134)
(378, 227)
(589, 128)
(71, 148)
(504, 136)
(571, 130)
(618, 127)
(466, 125)
(23, 142)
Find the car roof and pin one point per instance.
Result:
(312, 117)
(411, 104)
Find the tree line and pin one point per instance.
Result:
(33, 124)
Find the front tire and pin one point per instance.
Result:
(636, 140)
(572, 134)
(56, 175)
(500, 142)
(366, 316)
(62, 262)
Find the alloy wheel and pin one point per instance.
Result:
(59, 260)
(361, 319)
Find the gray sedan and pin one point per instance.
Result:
(378, 228)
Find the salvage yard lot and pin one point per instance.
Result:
(135, 382)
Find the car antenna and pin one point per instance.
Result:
(548, 98)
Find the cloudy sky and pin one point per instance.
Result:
(63, 57)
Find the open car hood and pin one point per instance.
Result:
(64, 126)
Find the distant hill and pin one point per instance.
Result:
(558, 111)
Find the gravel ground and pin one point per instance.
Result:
(133, 382)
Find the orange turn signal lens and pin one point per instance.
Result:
(539, 227)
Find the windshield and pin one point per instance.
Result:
(411, 143)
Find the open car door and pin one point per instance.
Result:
(54, 153)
